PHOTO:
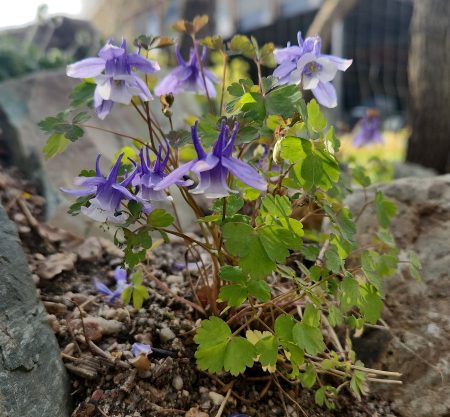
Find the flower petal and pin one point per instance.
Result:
(120, 275)
(341, 63)
(245, 173)
(175, 176)
(89, 67)
(101, 288)
(325, 94)
(142, 64)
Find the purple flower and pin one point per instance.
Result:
(305, 64)
(369, 130)
(116, 82)
(107, 194)
(212, 168)
(148, 176)
(139, 348)
(187, 77)
(120, 275)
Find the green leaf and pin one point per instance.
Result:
(292, 149)
(251, 106)
(256, 262)
(335, 316)
(126, 295)
(283, 100)
(284, 325)
(242, 44)
(233, 295)
(238, 238)
(272, 240)
(259, 289)
(137, 244)
(332, 260)
(212, 331)
(385, 209)
(358, 382)
(331, 138)
(346, 225)
(218, 350)
(308, 378)
(308, 338)
(316, 120)
(234, 204)
(267, 349)
(359, 175)
(82, 94)
(160, 218)
(349, 292)
(311, 316)
(75, 208)
(370, 303)
(213, 42)
(240, 353)
(277, 206)
(56, 144)
(232, 273)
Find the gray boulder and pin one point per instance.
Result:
(26, 101)
(418, 313)
(33, 380)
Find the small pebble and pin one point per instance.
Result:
(216, 398)
(174, 279)
(166, 334)
(177, 382)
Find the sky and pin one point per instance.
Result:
(20, 12)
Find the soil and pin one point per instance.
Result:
(106, 379)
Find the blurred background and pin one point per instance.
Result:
(400, 51)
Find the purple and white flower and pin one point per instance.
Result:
(120, 276)
(116, 82)
(140, 348)
(187, 77)
(212, 168)
(306, 65)
(107, 194)
(368, 130)
(148, 176)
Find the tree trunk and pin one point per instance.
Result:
(429, 82)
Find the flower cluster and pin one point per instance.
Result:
(212, 168)
(150, 181)
(307, 65)
(116, 82)
(187, 77)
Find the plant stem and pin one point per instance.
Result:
(202, 72)
(224, 74)
(141, 141)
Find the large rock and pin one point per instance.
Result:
(26, 101)
(418, 313)
(33, 381)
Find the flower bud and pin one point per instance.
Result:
(276, 156)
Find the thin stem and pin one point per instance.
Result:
(202, 72)
(186, 237)
(224, 74)
(141, 141)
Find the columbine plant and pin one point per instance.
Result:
(279, 291)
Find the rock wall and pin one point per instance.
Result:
(33, 380)
(418, 313)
